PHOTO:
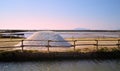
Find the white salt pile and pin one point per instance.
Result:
(45, 36)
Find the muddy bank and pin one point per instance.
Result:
(35, 55)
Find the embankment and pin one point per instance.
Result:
(35, 55)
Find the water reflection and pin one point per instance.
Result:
(73, 65)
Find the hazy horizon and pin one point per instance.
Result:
(60, 14)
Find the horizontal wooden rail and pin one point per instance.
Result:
(11, 41)
(61, 46)
(55, 40)
(35, 40)
(107, 44)
(75, 43)
(35, 45)
(84, 44)
(10, 47)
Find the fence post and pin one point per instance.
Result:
(48, 45)
(22, 44)
(74, 44)
(118, 43)
(96, 45)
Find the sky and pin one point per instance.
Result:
(60, 14)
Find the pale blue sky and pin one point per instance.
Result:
(60, 14)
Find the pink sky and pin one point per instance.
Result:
(35, 22)
(24, 21)
(60, 14)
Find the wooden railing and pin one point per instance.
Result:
(74, 44)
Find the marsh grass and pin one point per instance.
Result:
(15, 41)
(32, 55)
(9, 41)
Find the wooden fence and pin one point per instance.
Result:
(74, 44)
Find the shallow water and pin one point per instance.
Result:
(82, 34)
(71, 65)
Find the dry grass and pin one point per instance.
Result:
(85, 48)
(9, 42)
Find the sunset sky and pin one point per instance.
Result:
(60, 14)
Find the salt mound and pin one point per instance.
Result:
(45, 36)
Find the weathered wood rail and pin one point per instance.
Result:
(74, 44)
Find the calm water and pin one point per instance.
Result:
(82, 34)
(72, 65)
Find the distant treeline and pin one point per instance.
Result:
(12, 31)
